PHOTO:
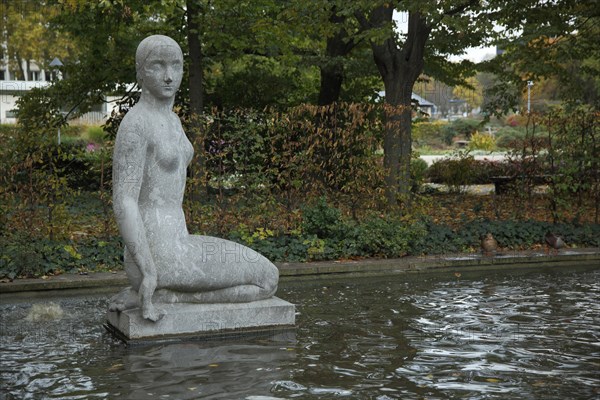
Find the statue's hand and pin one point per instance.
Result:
(147, 288)
(150, 313)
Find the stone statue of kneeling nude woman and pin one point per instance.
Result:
(163, 262)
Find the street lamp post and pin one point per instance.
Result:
(529, 85)
(55, 65)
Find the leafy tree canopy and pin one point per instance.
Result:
(555, 40)
(27, 33)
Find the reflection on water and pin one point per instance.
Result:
(190, 371)
(492, 335)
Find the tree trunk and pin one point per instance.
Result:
(397, 141)
(195, 170)
(195, 57)
(20, 71)
(332, 70)
(399, 68)
(332, 76)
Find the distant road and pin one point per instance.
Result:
(494, 157)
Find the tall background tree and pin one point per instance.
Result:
(435, 30)
(195, 68)
(27, 36)
(554, 41)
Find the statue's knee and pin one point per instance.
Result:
(271, 279)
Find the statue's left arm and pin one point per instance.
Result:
(128, 173)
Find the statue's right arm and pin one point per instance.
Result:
(128, 171)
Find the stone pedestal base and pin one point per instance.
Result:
(203, 320)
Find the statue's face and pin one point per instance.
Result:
(162, 71)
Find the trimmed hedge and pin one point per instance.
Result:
(468, 171)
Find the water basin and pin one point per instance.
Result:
(480, 335)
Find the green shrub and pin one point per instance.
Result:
(280, 248)
(510, 234)
(482, 141)
(437, 239)
(507, 137)
(75, 162)
(418, 172)
(516, 120)
(70, 143)
(8, 130)
(468, 171)
(95, 134)
(94, 166)
(454, 172)
(572, 157)
(429, 133)
(22, 256)
(321, 220)
(462, 127)
(386, 236)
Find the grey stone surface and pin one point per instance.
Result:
(163, 262)
(189, 319)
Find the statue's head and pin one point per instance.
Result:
(159, 65)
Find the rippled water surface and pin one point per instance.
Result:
(491, 335)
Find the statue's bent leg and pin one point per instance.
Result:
(236, 294)
(219, 271)
(233, 294)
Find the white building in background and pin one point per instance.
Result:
(11, 88)
(10, 91)
(35, 77)
(423, 105)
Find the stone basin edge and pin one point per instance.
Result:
(288, 270)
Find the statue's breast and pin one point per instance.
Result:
(168, 156)
(167, 147)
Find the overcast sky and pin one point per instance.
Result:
(475, 54)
